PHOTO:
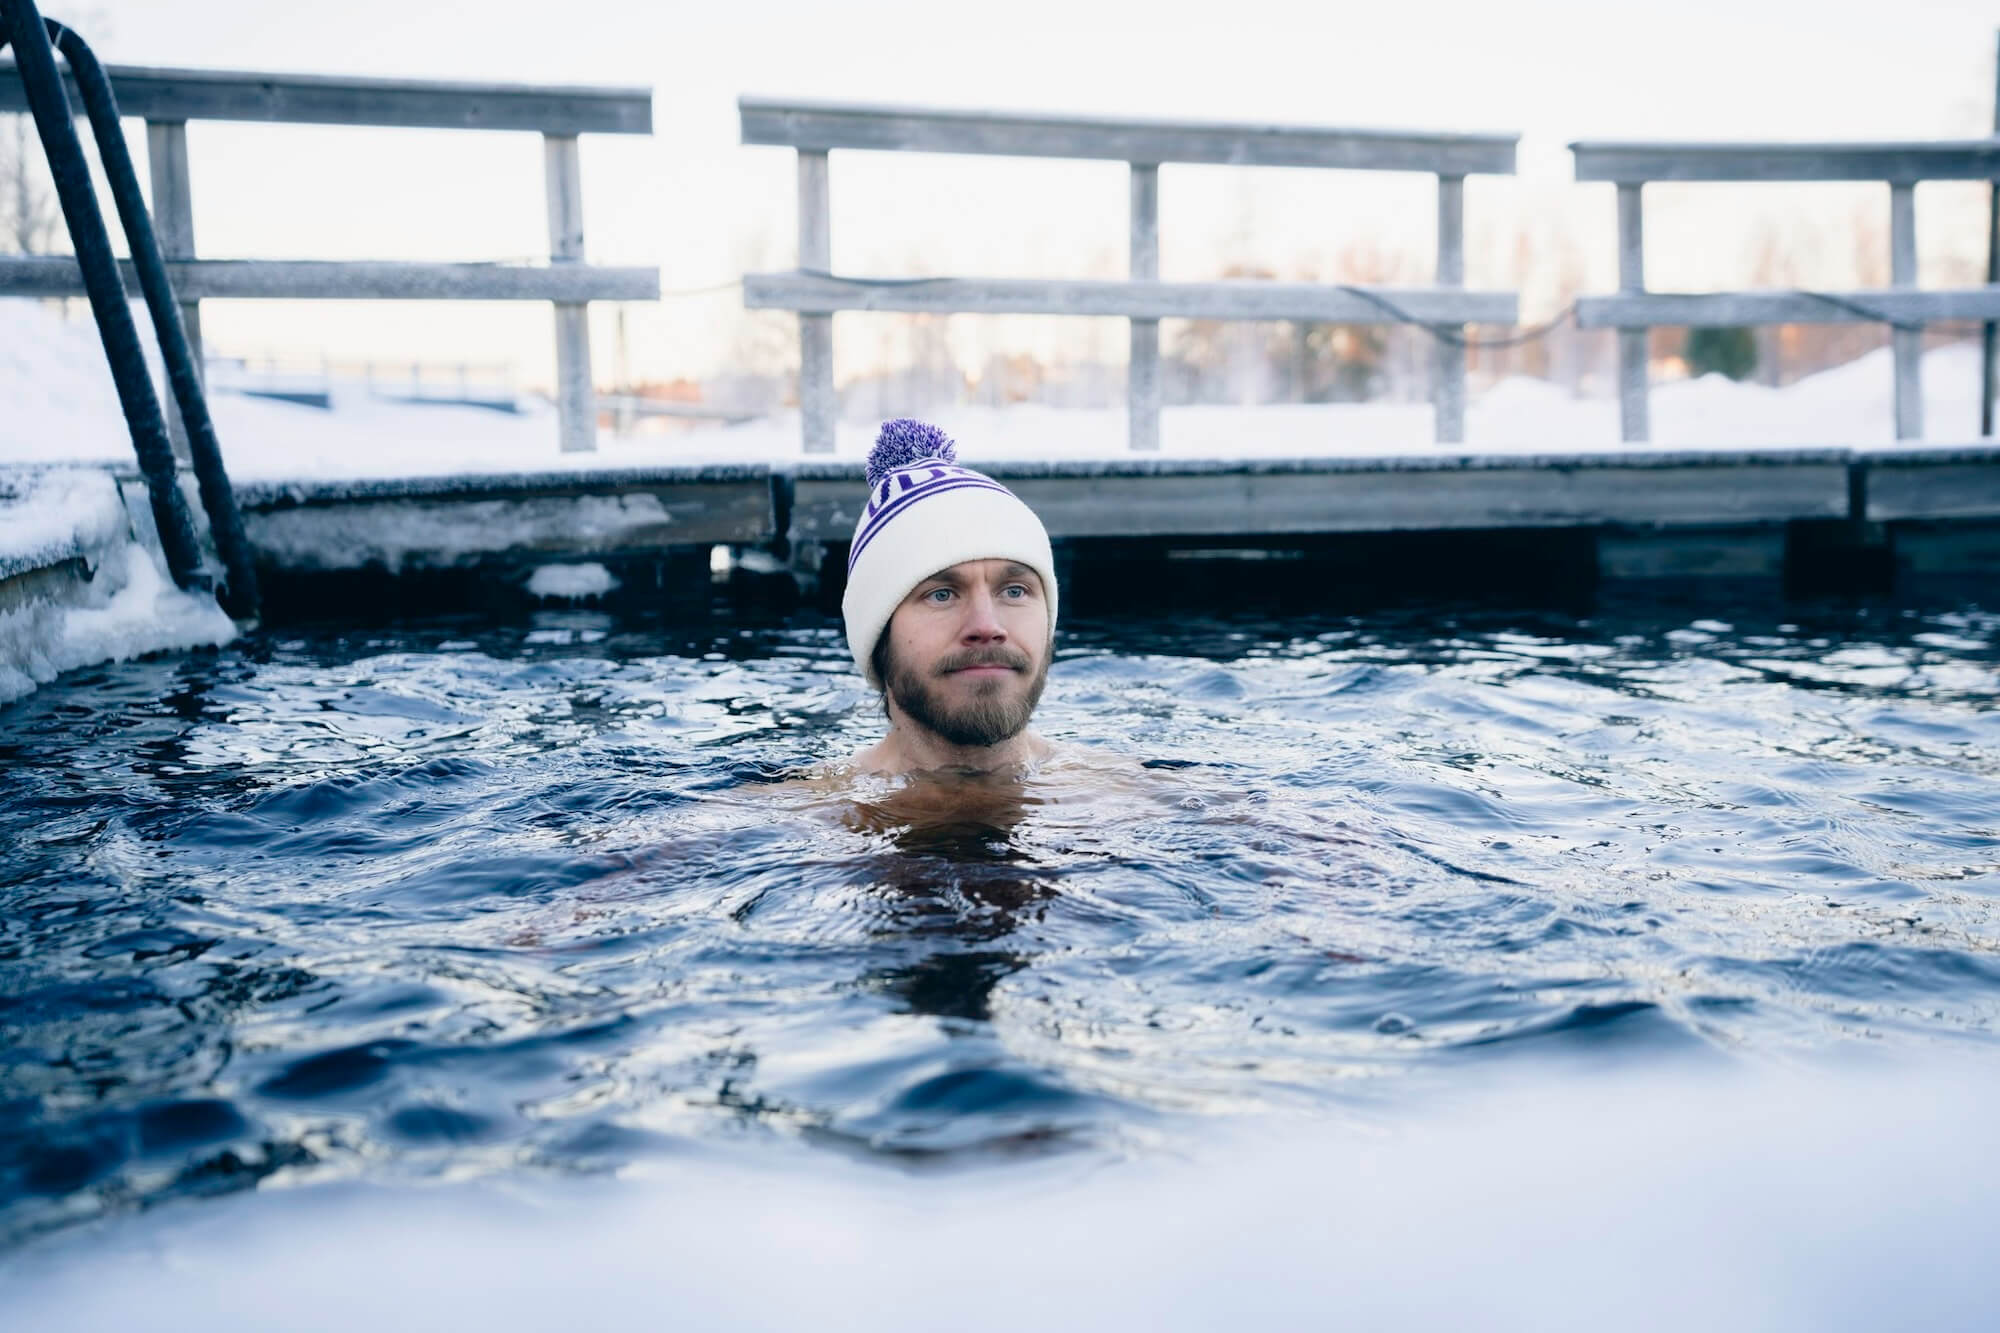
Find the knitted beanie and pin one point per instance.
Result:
(926, 514)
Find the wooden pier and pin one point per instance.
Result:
(1824, 518)
(1638, 514)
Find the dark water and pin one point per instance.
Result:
(472, 898)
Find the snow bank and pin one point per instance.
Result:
(1774, 1203)
(114, 603)
(48, 515)
(68, 413)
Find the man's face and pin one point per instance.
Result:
(967, 652)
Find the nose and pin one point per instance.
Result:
(982, 619)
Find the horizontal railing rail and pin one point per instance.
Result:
(351, 280)
(1691, 309)
(815, 293)
(310, 99)
(1634, 310)
(815, 129)
(822, 126)
(1921, 160)
(167, 99)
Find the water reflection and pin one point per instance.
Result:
(955, 859)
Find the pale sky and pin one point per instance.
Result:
(702, 207)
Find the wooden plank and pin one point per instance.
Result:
(1646, 309)
(173, 227)
(321, 280)
(436, 533)
(567, 480)
(1964, 159)
(1968, 489)
(1247, 300)
(1681, 553)
(1448, 392)
(308, 99)
(819, 405)
(1948, 550)
(1142, 380)
(576, 394)
(821, 126)
(1634, 409)
(1906, 345)
(1391, 499)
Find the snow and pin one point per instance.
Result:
(1675, 1200)
(61, 408)
(129, 608)
(53, 514)
(391, 532)
(571, 582)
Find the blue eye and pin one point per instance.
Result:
(1016, 590)
(936, 594)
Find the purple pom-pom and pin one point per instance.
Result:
(905, 443)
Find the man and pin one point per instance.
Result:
(950, 611)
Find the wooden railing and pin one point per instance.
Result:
(814, 129)
(1902, 305)
(167, 99)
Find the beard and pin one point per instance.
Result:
(998, 710)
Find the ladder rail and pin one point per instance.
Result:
(36, 41)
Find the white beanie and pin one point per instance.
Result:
(926, 514)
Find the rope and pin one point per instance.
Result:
(1452, 337)
(1443, 333)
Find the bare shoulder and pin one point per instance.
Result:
(1069, 757)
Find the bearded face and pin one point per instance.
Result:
(978, 696)
(966, 655)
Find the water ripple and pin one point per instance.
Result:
(474, 896)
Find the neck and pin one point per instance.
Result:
(909, 748)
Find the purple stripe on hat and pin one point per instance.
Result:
(877, 521)
(938, 472)
(883, 505)
(915, 484)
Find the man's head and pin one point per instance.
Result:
(951, 590)
(965, 656)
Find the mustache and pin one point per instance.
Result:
(1001, 657)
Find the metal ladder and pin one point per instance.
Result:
(35, 41)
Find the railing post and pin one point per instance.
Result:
(173, 226)
(576, 394)
(819, 408)
(1632, 406)
(1448, 392)
(1908, 344)
(1142, 383)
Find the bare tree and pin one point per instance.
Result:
(28, 216)
(30, 219)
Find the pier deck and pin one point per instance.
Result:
(1655, 512)
(1647, 512)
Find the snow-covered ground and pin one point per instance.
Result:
(1684, 1199)
(60, 407)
